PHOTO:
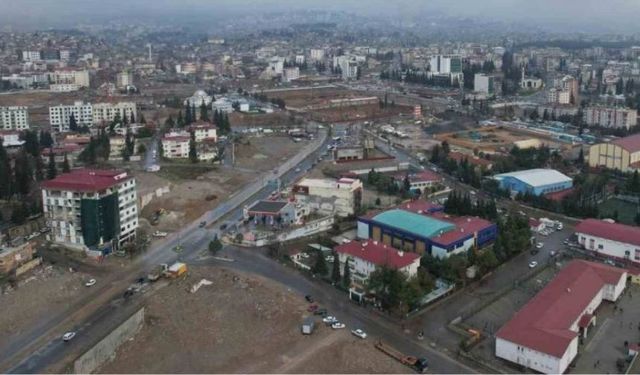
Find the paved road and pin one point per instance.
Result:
(36, 349)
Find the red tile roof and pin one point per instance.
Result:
(420, 207)
(472, 159)
(630, 143)
(86, 180)
(544, 323)
(378, 253)
(559, 195)
(611, 231)
(465, 226)
(423, 176)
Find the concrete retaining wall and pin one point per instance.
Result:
(104, 349)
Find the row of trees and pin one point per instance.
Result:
(98, 147)
(417, 77)
(460, 204)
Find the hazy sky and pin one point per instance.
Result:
(620, 15)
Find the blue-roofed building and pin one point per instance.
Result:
(534, 181)
(426, 231)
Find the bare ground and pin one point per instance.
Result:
(240, 324)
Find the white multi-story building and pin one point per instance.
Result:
(365, 257)
(11, 138)
(544, 335)
(204, 131)
(291, 74)
(483, 83)
(91, 209)
(14, 118)
(223, 105)
(106, 112)
(330, 197)
(64, 87)
(317, 54)
(124, 79)
(611, 117)
(29, 56)
(610, 239)
(175, 145)
(70, 77)
(59, 115)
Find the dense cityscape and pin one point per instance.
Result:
(280, 187)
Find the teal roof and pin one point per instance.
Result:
(420, 225)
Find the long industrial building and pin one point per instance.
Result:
(544, 335)
(534, 181)
(610, 239)
(424, 228)
(622, 154)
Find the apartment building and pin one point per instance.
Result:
(341, 197)
(106, 112)
(91, 209)
(70, 77)
(59, 115)
(610, 117)
(14, 118)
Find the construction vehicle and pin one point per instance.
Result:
(419, 365)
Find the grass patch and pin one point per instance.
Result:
(186, 171)
(626, 210)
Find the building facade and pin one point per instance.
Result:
(622, 154)
(104, 113)
(91, 209)
(612, 240)
(14, 118)
(330, 197)
(534, 181)
(60, 115)
(610, 117)
(483, 83)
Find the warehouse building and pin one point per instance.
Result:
(622, 154)
(426, 231)
(610, 239)
(544, 335)
(91, 208)
(534, 181)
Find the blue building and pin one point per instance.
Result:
(534, 181)
(427, 232)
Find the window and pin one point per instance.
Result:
(637, 254)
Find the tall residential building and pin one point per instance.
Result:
(446, 66)
(124, 79)
(106, 112)
(59, 116)
(610, 117)
(317, 54)
(483, 83)
(89, 208)
(79, 78)
(29, 56)
(14, 118)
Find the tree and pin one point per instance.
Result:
(20, 214)
(215, 245)
(633, 183)
(23, 174)
(378, 202)
(204, 114)
(320, 265)
(132, 120)
(46, 140)
(52, 171)
(180, 120)
(65, 165)
(6, 175)
(31, 143)
(142, 149)
(580, 160)
(142, 119)
(73, 124)
(445, 147)
(487, 261)
(346, 274)
(335, 271)
(193, 152)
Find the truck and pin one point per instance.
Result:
(308, 325)
(419, 365)
(176, 270)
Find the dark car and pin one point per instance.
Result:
(322, 312)
(203, 224)
(308, 298)
(223, 227)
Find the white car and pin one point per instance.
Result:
(539, 245)
(533, 264)
(360, 333)
(338, 325)
(330, 319)
(91, 282)
(159, 234)
(68, 336)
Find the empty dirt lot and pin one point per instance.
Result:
(239, 324)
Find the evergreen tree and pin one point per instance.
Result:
(52, 171)
(193, 114)
(65, 165)
(132, 120)
(39, 169)
(320, 265)
(31, 143)
(346, 274)
(335, 272)
(204, 114)
(6, 175)
(180, 120)
(142, 119)
(187, 115)
(193, 152)
(169, 122)
(20, 214)
(46, 141)
(23, 174)
(73, 124)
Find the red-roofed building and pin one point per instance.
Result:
(471, 159)
(543, 336)
(622, 154)
(91, 208)
(419, 181)
(610, 239)
(366, 256)
(204, 131)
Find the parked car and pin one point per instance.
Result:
(68, 336)
(360, 333)
(539, 245)
(159, 234)
(330, 319)
(338, 325)
(553, 253)
(91, 282)
(322, 312)
(533, 264)
(312, 308)
(308, 298)
(203, 224)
